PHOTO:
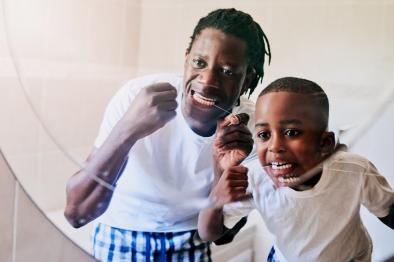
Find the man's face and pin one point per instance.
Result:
(289, 140)
(214, 74)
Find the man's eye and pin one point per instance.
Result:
(227, 72)
(263, 135)
(198, 63)
(292, 132)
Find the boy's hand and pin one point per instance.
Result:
(233, 142)
(231, 187)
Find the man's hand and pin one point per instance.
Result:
(231, 187)
(152, 108)
(233, 142)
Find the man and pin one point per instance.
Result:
(155, 161)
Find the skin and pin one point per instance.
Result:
(216, 69)
(288, 132)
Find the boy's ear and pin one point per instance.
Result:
(327, 144)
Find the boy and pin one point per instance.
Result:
(312, 207)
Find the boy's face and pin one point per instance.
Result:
(214, 74)
(289, 139)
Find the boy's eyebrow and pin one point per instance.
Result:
(282, 122)
(260, 124)
(290, 121)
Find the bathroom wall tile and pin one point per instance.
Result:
(7, 195)
(19, 134)
(37, 239)
(56, 169)
(74, 109)
(27, 169)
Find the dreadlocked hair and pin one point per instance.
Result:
(241, 25)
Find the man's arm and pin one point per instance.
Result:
(89, 191)
(389, 219)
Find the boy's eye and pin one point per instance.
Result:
(263, 135)
(198, 63)
(292, 132)
(227, 72)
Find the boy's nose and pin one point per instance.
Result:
(276, 144)
(208, 77)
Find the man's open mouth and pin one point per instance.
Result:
(206, 101)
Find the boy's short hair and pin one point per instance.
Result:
(302, 86)
(241, 25)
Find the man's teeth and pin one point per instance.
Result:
(275, 165)
(204, 100)
(286, 179)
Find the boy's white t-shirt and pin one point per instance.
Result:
(169, 173)
(323, 223)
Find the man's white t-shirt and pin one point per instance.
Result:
(322, 223)
(169, 173)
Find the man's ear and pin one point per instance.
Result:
(327, 143)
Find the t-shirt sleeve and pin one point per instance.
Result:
(377, 194)
(234, 212)
(115, 110)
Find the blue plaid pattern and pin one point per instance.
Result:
(115, 244)
(271, 256)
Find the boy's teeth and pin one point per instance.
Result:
(275, 165)
(288, 179)
(204, 100)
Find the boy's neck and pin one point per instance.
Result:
(309, 184)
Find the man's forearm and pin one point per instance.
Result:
(90, 190)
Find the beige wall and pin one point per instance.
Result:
(73, 55)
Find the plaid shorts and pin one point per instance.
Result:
(115, 244)
(272, 256)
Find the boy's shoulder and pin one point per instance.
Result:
(347, 161)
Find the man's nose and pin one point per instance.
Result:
(209, 77)
(276, 144)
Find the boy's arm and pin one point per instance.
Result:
(231, 187)
(378, 195)
(210, 224)
(389, 219)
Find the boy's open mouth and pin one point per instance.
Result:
(203, 100)
(283, 171)
(288, 179)
(277, 165)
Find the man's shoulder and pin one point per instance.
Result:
(145, 80)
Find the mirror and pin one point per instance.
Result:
(62, 61)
